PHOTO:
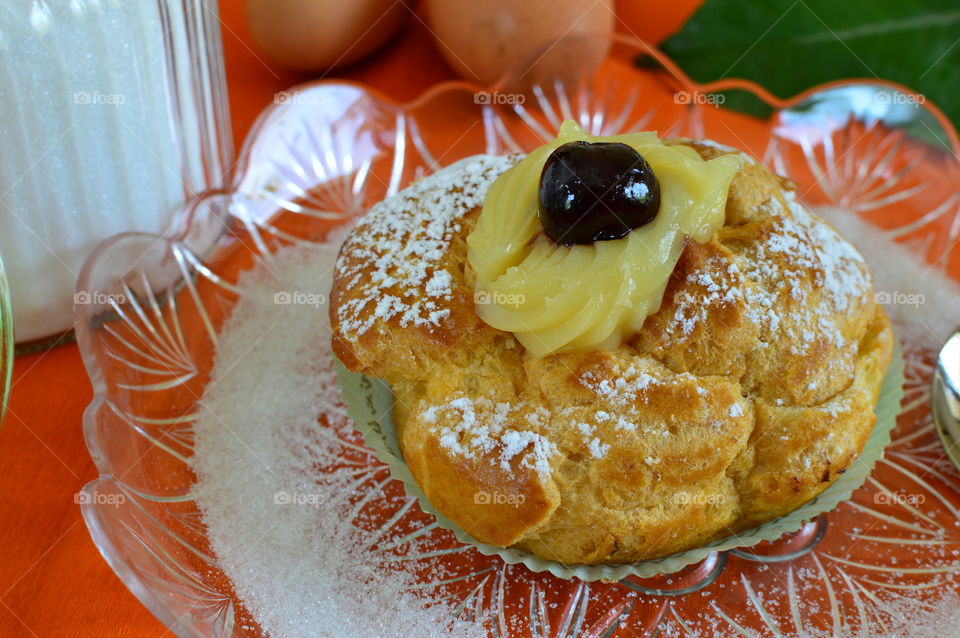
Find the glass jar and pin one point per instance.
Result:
(112, 115)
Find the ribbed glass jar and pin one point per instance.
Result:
(112, 114)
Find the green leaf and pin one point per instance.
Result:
(788, 46)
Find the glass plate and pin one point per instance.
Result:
(329, 150)
(6, 343)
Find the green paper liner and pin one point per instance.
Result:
(369, 403)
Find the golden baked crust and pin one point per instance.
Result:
(746, 395)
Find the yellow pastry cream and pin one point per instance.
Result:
(589, 296)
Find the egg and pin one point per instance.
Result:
(312, 35)
(484, 39)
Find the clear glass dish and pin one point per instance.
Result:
(6, 344)
(334, 148)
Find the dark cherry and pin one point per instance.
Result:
(596, 191)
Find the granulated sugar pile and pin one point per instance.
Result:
(303, 570)
(277, 533)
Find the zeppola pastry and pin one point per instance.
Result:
(613, 348)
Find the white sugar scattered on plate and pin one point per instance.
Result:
(298, 564)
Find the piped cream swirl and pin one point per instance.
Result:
(590, 296)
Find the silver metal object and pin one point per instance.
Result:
(945, 397)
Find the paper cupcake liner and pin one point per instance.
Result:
(370, 402)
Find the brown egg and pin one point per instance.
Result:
(483, 39)
(311, 35)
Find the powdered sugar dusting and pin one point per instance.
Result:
(596, 448)
(625, 388)
(404, 238)
(474, 427)
(621, 390)
(779, 264)
(717, 279)
(846, 273)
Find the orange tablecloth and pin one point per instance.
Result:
(53, 582)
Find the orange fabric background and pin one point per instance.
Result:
(53, 581)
